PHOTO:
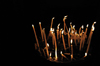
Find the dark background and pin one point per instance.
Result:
(19, 15)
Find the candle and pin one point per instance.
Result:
(36, 38)
(52, 22)
(63, 40)
(85, 35)
(44, 53)
(50, 56)
(41, 30)
(81, 38)
(75, 38)
(90, 38)
(46, 43)
(55, 48)
(71, 50)
(63, 56)
(68, 39)
(66, 27)
(57, 34)
(60, 32)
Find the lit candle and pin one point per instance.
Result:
(60, 32)
(64, 22)
(55, 48)
(36, 38)
(46, 43)
(50, 56)
(63, 40)
(63, 55)
(81, 38)
(52, 22)
(85, 35)
(71, 50)
(41, 30)
(91, 32)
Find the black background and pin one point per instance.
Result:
(19, 15)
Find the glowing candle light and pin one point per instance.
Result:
(91, 32)
(71, 50)
(47, 45)
(85, 35)
(41, 30)
(52, 22)
(85, 54)
(36, 38)
(63, 40)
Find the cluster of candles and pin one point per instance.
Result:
(72, 35)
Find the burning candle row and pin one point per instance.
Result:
(72, 35)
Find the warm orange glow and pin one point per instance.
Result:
(62, 31)
(73, 26)
(82, 26)
(50, 54)
(71, 41)
(85, 54)
(94, 22)
(56, 53)
(32, 25)
(87, 25)
(39, 22)
(59, 41)
(69, 29)
(70, 22)
(93, 27)
(53, 18)
(60, 52)
(47, 45)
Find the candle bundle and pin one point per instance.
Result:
(68, 46)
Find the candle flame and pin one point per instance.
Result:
(82, 26)
(47, 45)
(72, 31)
(94, 22)
(75, 32)
(57, 27)
(50, 54)
(69, 29)
(93, 27)
(53, 18)
(70, 22)
(71, 41)
(73, 26)
(59, 24)
(32, 25)
(87, 25)
(60, 52)
(39, 22)
(62, 31)
(85, 54)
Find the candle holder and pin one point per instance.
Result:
(68, 47)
